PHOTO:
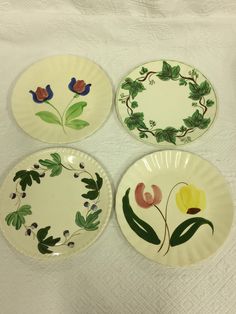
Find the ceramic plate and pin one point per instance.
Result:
(166, 103)
(174, 207)
(54, 203)
(62, 99)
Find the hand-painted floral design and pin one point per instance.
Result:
(69, 117)
(198, 95)
(42, 94)
(86, 219)
(79, 87)
(189, 199)
(145, 199)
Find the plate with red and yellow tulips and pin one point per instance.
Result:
(62, 99)
(174, 207)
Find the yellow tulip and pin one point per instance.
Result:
(190, 199)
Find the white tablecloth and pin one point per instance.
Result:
(110, 277)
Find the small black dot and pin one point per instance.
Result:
(13, 195)
(76, 175)
(34, 225)
(23, 195)
(71, 244)
(42, 175)
(36, 166)
(81, 165)
(66, 233)
(28, 232)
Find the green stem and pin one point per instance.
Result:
(165, 217)
(69, 103)
(62, 124)
(166, 227)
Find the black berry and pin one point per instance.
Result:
(76, 175)
(42, 175)
(13, 195)
(81, 165)
(71, 244)
(86, 204)
(28, 232)
(94, 207)
(23, 195)
(34, 225)
(36, 166)
(66, 233)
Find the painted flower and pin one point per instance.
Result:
(190, 199)
(79, 87)
(42, 94)
(146, 199)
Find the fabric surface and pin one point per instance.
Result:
(110, 276)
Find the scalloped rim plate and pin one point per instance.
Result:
(55, 202)
(166, 103)
(174, 207)
(62, 99)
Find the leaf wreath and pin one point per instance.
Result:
(197, 92)
(87, 222)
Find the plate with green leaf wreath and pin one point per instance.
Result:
(54, 203)
(174, 207)
(166, 103)
(62, 99)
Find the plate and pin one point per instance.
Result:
(54, 203)
(174, 207)
(166, 103)
(62, 99)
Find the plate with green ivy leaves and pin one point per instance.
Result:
(174, 207)
(166, 103)
(54, 203)
(61, 99)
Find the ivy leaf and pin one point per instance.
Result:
(168, 135)
(90, 183)
(134, 87)
(56, 171)
(48, 117)
(44, 242)
(182, 82)
(99, 181)
(198, 91)
(175, 72)
(75, 110)
(26, 178)
(187, 229)
(91, 195)
(76, 124)
(136, 120)
(143, 70)
(56, 157)
(134, 104)
(139, 226)
(42, 233)
(25, 210)
(209, 103)
(168, 72)
(16, 218)
(205, 88)
(43, 249)
(143, 135)
(197, 120)
(90, 223)
(54, 165)
(79, 220)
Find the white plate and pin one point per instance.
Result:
(62, 99)
(54, 203)
(166, 103)
(174, 207)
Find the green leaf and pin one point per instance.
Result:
(75, 110)
(26, 178)
(9, 218)
(90, 183)
(143, 70)
(209, 103)
(79, 220)
(25, 210)
(140, 227)
(134, 104)
(175, 72)
(42, 233)
(197, 120)
(135, 121)
(166, 68)
(47, 163)
(182, 82)
(168, 135)
(205, 88)
(91, 195)
(99, 181)
(56, 171)
(77, 124)
(134, 87)
(50, 241)
(43, 249)
(187, 229)
(48, 117)
(127, 83)
(56, 157)
(93, 216)
(16, 219)
(143, 135)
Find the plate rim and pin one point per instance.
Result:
(162, 145)
(229, 190)
(110, 192)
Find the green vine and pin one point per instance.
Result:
(24, 180)
(197, 92)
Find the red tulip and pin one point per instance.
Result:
(146, 199)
